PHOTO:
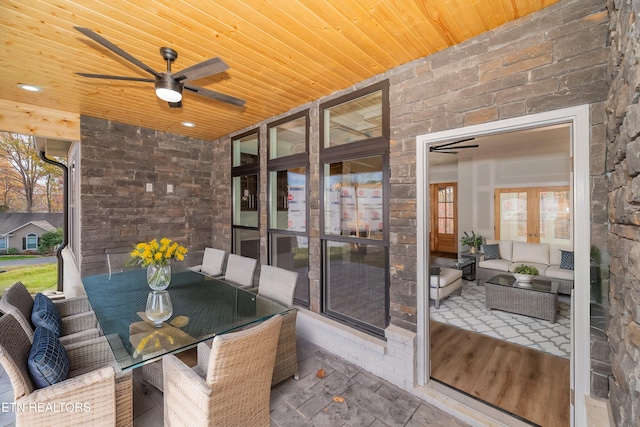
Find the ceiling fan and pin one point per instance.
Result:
(169, 86)
(444, 148)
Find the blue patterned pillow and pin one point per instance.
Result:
(566, 261)
(48, 360)
(45, 314)
(491, 251)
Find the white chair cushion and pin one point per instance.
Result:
(531, 253)
(447, 277)
(495, 264)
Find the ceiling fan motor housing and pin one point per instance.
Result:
(168, 89)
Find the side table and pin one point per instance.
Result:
(469, 270)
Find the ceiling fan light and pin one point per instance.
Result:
(168, 90)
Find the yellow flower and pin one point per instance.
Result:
(157, 252)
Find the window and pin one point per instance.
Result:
(245, 186)
(31, 242)
(354, 212)
(288, 187)
(3, 245)
(536, 215)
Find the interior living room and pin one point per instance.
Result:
(472, 182)
(307, 137)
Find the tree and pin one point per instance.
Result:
(34, 180)
(49, 240)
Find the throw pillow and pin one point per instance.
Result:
(566, 260)
(48, 361)
(491, 251)
(45, 314)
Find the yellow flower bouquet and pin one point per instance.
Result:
(156, 256)
(158, 253)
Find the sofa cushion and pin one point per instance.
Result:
(506, 247)
(537, 253)
(555, 272)
(542, 268)
(495, 264)
(554, 253)
(45, 314)
(447, 277)
(48, 361)
(491, 251)
(566, 262)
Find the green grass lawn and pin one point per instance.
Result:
(37, 278)
(14, 257)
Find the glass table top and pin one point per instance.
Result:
(538, 285)
(202, 308)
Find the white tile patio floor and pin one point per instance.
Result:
(368, 400)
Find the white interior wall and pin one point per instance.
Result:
(479, 176)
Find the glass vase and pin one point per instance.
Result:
(159, 307)
(158, 276)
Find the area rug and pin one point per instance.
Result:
(468, 312)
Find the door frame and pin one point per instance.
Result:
(578, 118)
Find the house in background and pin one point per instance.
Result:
(22, 231)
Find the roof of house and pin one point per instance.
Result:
(10, 222)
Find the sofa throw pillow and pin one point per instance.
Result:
(48, 361)
(45, 314)
(566, 260)
(491, 251)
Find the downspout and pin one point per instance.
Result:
(65, 213)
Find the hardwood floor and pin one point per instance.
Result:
(528, 383)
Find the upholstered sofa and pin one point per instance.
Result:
(552, 261)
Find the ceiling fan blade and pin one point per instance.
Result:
(115, 49)
(175, 104)
(216, 95)
(104, 76)
(455, 148)
(453, 143)
(203, 69)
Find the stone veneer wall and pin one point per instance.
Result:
(623, 168)
(552, 59)
(117, 160)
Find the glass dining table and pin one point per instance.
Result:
(202, 307)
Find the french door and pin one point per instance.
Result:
(534, 214)
(444, 221)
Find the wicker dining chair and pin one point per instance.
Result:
(118, 262)
(79, 322)
(212, 262)
(279, 285)
(240, 270)
(230, 386)
(94, 381)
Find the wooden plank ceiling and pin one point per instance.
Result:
(282, 53)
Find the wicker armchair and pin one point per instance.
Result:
(212, 262)
(240, 270)
(230, 386)
(101, 393)
(79, 322)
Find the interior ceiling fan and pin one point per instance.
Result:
(169, 86)
(444, 148)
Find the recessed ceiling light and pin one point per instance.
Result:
(189, 124)
(30, 88)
